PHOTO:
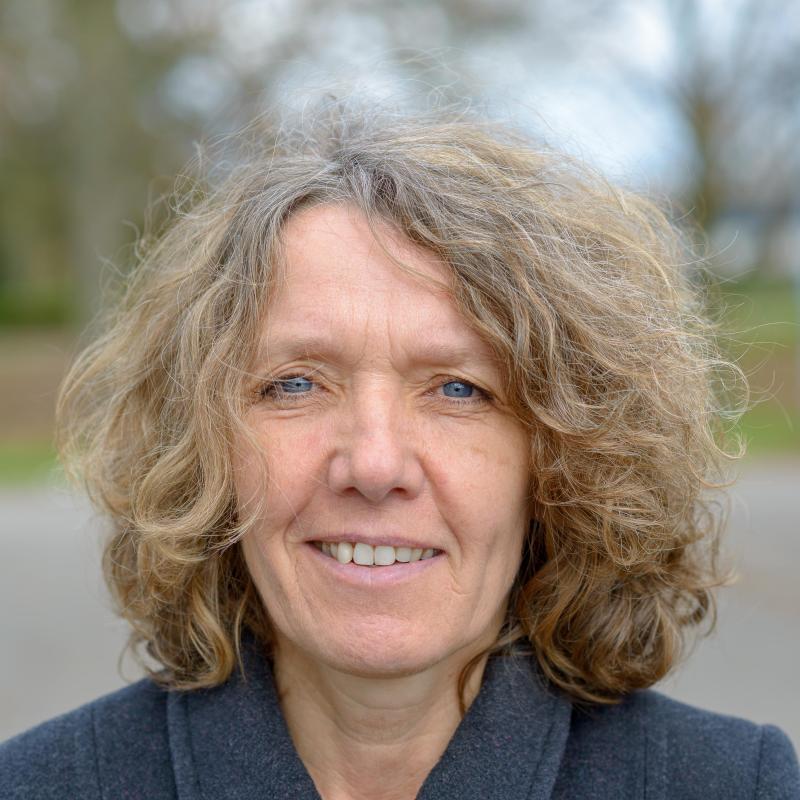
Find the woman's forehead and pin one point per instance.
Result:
(335, 243)
(338, 287)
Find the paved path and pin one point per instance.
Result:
(61, 643)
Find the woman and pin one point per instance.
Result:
(403, 429)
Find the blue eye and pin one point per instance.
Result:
(284, 387)
(294, 385)
(458, 389)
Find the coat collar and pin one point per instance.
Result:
(232, 741)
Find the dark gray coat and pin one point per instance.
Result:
(520, 739)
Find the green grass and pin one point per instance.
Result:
(764, 313)
(27, 307)
(762, 320)
(771, 430)
(26, 462)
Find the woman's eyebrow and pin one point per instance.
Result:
(427, 352)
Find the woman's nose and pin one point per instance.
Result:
(375, 453)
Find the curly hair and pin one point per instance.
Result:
(581, 289)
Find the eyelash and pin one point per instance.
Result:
(270, 391)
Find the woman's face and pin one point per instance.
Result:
(380, 414)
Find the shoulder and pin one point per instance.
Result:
(116, 745)
(685, 751)
(738, 757)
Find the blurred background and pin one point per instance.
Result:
(102, 103)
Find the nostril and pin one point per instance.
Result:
(376, 467)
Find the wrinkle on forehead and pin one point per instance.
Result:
(336, 277)
(379, 239)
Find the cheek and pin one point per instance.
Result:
(483, 478)
(486, 472)
(286, 468)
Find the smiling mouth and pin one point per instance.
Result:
(365, 555)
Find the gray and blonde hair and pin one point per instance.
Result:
(578, 287)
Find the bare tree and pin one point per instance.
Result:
(101, 97)
(733, 84)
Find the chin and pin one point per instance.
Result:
(377, 655)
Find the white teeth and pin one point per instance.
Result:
(384, 556)
(366, 555)
(344, 552)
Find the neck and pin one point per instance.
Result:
(366, 737)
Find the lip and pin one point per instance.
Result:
(370, 577)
